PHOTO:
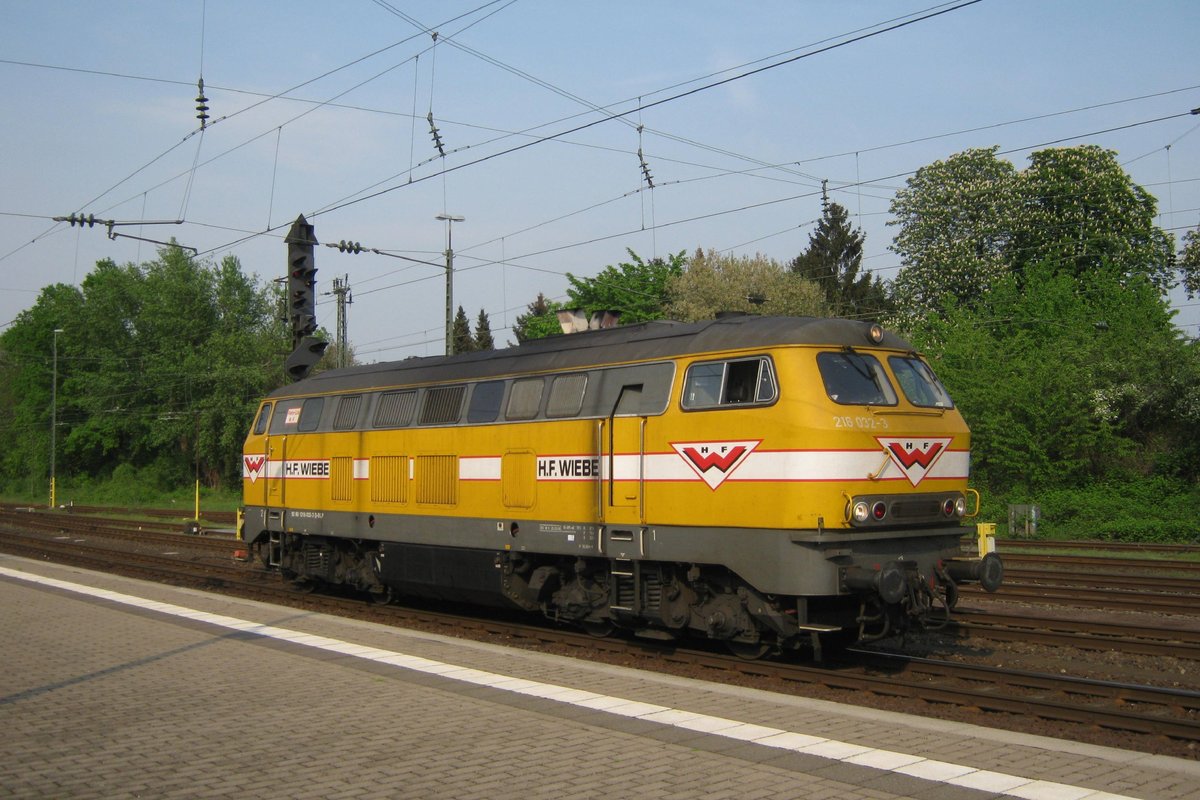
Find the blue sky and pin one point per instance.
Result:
(99, 117)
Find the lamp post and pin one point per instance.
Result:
(54, 416)
(450, 219)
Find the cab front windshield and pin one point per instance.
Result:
(919, 384)
(855, 379)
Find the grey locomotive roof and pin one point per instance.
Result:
(642, 342)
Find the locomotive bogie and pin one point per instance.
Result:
(748, 480)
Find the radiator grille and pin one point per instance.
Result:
(437, 480)
(518, 476)
(341, 478)
(389, 479)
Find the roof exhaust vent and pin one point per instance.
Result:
(575, 321)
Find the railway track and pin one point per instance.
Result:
(1084, 634)
(1095, 598)
(1148, 548)
(1014, 695)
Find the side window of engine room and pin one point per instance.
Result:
(715, 384)
(855, 379)
(292, 416)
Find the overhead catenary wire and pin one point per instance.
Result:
(669, 99)
(265, 99)
(360, 197)
(858, 182)
(515, 262)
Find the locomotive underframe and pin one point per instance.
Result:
(772, 587)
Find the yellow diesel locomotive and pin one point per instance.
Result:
(764, 481)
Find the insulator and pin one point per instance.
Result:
(201, 104)
(437, 136)
(645, 169)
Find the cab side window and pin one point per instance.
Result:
(264, 419)
(727, 383)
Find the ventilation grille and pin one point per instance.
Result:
(518, 473)
(341, 478)
(389, 479)
(442, 406)
(437, 480)
(395, 409)
(347, 412)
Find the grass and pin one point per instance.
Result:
(123, 494)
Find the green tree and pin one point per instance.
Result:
(483, 332)
(754, 284)
(635, 288)
(1040, 297)
(539, 320)
(460, 334)
(242, 362)
(833, 261)
(161, 366)
(26, 375)
(1069, 381)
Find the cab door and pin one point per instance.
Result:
(256, 459)
(624, 469)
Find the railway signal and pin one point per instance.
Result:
(307, 349)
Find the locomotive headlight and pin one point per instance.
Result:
(954, 506)
(875, 333)
(861, 511)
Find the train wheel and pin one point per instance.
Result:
(303, 586)
(600, 630)
(381, 597)
(751, 651)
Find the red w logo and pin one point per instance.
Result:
(713, 462)
(253, 466)
(721, 461)
(914, 456)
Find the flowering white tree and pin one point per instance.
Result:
(1079, 210)
(955, 224)
(973, 218)
(1189, 262)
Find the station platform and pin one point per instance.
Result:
(117, 688)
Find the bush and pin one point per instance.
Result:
(1153, 509)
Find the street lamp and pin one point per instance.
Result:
(450, 219)
(54, 415)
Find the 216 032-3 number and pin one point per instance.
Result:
(861, 423)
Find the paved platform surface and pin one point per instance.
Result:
(114, 688)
